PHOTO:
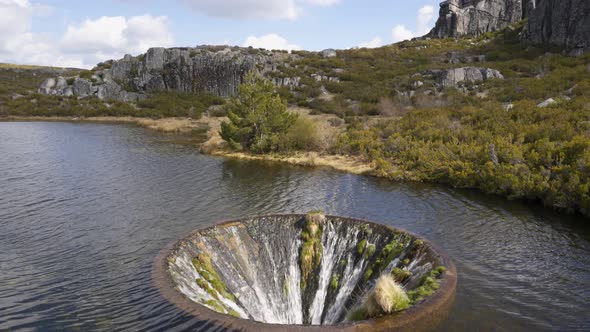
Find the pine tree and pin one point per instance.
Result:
(258, 116)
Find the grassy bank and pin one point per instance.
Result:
(349, 164)
(169, 125)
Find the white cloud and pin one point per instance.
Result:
(82, 45)
(373, 43)
(146, 31)
(18, 44)
(423, 25)
(117, 35)
(323, 2)
(425, 17)
(400, 32)
(270, 42)
(285, 9)
(268, 9)
(103, 34)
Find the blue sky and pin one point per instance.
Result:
(82, 33)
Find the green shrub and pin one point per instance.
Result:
(258, 116)
(178, 104)
(303, 135)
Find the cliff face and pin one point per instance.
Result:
(563, 23)
(559, 22)
(459, 18)
(216, 70)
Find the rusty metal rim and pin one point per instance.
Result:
(424, 315)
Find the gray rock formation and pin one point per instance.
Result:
(329, 53)
(456, 76)
(321, 78)
(289, 82)
(218, 70)
(559, 22)
(547, 103)
(459, 18)
(48, 87)
(457, 57)
(82, 87)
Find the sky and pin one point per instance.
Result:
(81, 33)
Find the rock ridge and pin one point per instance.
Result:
(458, 18)
(213, 69)
(563, 23)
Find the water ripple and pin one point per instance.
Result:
(85, 208)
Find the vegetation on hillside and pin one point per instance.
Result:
(19, 97)
(260, 123)
(490, 135)
(258, 117)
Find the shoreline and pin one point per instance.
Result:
(214, 144)
(168, 125)
(341, 163)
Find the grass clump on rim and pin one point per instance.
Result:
(387, 297)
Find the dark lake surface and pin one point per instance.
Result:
(85, 209)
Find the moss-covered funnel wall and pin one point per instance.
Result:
(303, 272)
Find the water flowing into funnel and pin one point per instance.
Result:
(289, 270)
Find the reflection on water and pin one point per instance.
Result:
(85, 208)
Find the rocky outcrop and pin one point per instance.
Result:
(322, 78)
(457, 76)
(563, 23)
(559, 22)
(217, 70)
(459, 18)
(329, 53)
(289, 82)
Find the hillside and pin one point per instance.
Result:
(490, 111)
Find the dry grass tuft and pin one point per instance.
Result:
(167, 125)
(388, 297)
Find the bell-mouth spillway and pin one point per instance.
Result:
(303, 273)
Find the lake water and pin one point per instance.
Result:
(85, 209)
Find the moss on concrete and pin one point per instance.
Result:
(311, 248)
(205, 268)
(334, 282)
(400, 275)
(216, 306)
(286, 290)
(428, 285)
(234, 313)
(360, 248)
(389, 252)
(370, 251)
